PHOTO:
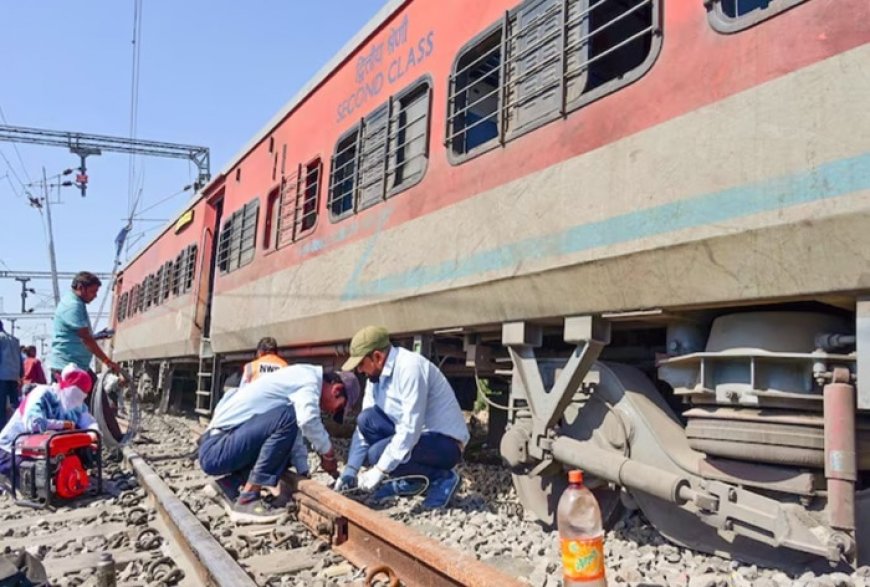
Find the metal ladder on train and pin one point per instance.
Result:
(205, 379)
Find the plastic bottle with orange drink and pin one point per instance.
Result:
(581, 535)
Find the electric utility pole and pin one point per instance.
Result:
(51, 256)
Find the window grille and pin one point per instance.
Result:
(159, 281)
(178, 272)
(131, 301)
(385, 154)
(188, 269)
(148, 296)
(343, 176)
(409, 138)
(545, 59)
(728, 16)
(238, 238)
(168, 277)
(298, 203)
(122, 307)
(140, 296)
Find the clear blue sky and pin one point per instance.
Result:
(212, 73)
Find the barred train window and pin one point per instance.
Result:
(188, 270)
(238, 238)
(386, 153)
(122, 307)
(168, 276)
(728, 16)
(545, 59)
(297, 204)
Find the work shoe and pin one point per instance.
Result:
(255, 511)
(224, 488)
(399, 488)
(441, 490)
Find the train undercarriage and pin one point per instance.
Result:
(737, 431)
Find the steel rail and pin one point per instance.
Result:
(213, 564)
(370, 540)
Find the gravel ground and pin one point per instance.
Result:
(485, 519)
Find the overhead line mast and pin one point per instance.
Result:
(85, 145)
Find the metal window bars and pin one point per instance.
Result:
(159, 280)
(121, 312)
(189, 268)
(343, 175)
(548, 57)
(238, 239)
(383, 154)
(177, 272)
(168, 278)
(299, 199)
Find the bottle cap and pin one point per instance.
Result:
(575, 476)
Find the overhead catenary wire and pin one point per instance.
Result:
(15, 147)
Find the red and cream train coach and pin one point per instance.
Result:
(643, 221)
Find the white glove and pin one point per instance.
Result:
(370, 479)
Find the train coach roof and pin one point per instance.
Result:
(321, 76)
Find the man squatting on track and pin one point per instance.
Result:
(410, 424)
(249, 439)
(59, 406)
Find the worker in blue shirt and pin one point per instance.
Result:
(410, 424)
(73, 340)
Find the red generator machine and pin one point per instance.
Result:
(52, 467)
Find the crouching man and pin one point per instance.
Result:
(410, 424)
(249, 440)
(59, 406)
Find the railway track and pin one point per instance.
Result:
(161, 530)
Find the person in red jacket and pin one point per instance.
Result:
(33, 372)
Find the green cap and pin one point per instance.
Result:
(370, 338)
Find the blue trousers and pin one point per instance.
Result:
(433, 455)
(261, 447)
(8, 389)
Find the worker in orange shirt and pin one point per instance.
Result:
(267, 361)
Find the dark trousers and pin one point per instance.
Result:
(8, 390)
(262, 445)
(432, 456)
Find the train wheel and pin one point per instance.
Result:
(539, 496)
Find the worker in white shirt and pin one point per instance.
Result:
(249, 439)
(410, 424)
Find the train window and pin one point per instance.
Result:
(343, 176)
(545, 59)
(122, 307)
(147, 302)
(298, 203)
(475, 95)
(238, 238)
(728, 16)
(159, 280)
(308, 201)
(131, 300)
(188, 268)
(166, 284)
(409, 138)
(373, 157)
(177, 273)
(271, 221)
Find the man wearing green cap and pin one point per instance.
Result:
(410, 424)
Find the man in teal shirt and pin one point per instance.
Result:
(73, 340)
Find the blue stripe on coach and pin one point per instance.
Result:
(826, 181)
